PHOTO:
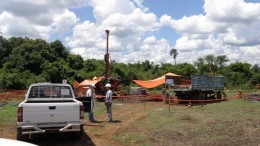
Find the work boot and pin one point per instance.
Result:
(93, 121)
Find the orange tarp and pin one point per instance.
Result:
(87, 82)
(76, 84)
(155, 82)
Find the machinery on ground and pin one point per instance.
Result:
(113, 80)
(199, 87)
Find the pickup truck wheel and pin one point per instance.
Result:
(21, 137)
(77, 135)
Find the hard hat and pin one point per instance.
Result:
(108, 85)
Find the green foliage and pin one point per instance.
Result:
(75, 61)
(255, 79)
(210, 64)
(238, 73)
(25, 61)
(29, 61)
(58, 49)
(184, 69)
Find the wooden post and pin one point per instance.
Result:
(169, 82)
(144, 104)
(169, 91)
(244, 104)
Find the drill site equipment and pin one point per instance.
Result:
(106, 58)
(189, 88)
(199, 87)
(100, 82)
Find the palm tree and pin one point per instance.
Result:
(174, 54)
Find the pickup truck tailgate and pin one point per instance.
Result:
(50, 112)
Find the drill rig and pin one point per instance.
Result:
(107, 78)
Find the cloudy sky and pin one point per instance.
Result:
(140, 29)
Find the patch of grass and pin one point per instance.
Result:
(131, 138)
(196, 129)
(8, 113)
(235, 92)
(232, 122)
(100, 109)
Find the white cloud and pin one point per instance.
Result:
(184, 44)
(240, 34)
(139, 4)
(198, 24)
(133, 38)
(62, 22)
(167, 20)
(103, 9)
(150, 40)
(126, 32)
(251, 53)
(232, 10)
(124, 25)
(16, 26)
(36, 19)
(193, 25)
(86, 35)
(227, 27)
(156, 51)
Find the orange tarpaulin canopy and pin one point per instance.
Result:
(87, 82)
(155, 82)
(76, 84)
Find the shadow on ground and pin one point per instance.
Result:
(116, 121)
(61, 139)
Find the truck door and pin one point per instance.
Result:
(87, 100)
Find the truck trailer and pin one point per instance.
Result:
(199, 87)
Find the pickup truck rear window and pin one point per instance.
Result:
(50, 92)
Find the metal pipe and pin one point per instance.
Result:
(107, 31)
(107, 56)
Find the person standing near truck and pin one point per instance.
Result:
(108, 102)
(91, 93)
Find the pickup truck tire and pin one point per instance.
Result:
(21, 137)
(78, 134)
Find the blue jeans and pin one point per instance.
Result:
(91, 116)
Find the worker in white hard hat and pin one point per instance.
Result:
(91, 93)
(108, 101)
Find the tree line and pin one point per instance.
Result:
(25, 61)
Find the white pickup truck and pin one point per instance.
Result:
(49, 108)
